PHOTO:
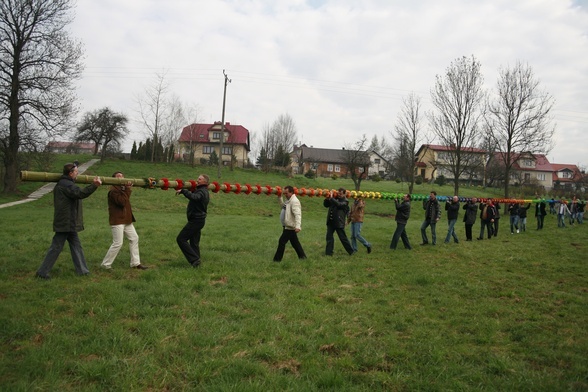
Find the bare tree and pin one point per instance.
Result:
(153, 108)
(357, 160)
(519, 117)
(105, 128)
(175, 120)
(408, 136)
(458, 98)
(39, 63)
(277, 140)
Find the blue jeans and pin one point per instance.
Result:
(561, 220)
(580, 217)
(451, 231)
(356, 236)
(514, 223)
(75, 247)
(424, 226)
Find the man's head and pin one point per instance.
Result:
(433, 195)
(407, 197)
(455, 199)
(474, 200)
(288, 191)
(71, 170)
(341, 192)
(203, 179)
(118, 174)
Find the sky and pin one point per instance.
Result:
(339, 68)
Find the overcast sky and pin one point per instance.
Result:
(339, 68)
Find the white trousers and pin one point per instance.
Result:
(117, 241)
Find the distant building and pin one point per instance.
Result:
(325, 162)
(566, 175)
(71, 148)
(528, 168)
(202, 139)
(434, 160)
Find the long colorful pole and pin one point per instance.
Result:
(164, 183)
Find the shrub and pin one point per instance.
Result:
(441, 180)
(309, 174)
(334, 176)
(376, 177)
(418, 180)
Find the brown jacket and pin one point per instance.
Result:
(119, 206)
(357, 209)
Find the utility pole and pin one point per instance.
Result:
(222, 136)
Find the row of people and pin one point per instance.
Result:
(68, 221)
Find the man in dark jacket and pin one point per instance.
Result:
(432, 216)
(336, 217)
(513, 211)
(68, 220)
(452, 208)
(402, 215)
(121, 218)
(471, 212)
(540, 212)
(487, 215)
(189, 238)
(523, 216)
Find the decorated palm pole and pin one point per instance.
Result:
(225, 187)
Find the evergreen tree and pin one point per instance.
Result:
(134, 151)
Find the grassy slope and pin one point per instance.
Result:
(505, 314)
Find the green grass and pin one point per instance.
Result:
(505, 314)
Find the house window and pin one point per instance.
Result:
(201, 136)
(566, 174)
(541, 176)
(527, 177)
(207, 149)
(528, 163)
(329, 168)
(361, 169)
(337, 168)
(377, 161)
(216, 136)
(227, 150)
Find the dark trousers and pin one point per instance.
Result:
(400, 232)
(331, 240)
(189, 241)
(488, 225)
(540, 219)
(292, 236)
(495, 231)
(75, 247)
(468, 230)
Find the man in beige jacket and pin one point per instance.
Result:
(291, 218)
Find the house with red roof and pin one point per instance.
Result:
(528, 168)
(566, 175)
(200, 140)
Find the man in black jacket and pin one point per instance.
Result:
(402, 215)
(469, 218)
(68, 220)
(452, 208)
(432, 216)
(189, 238)
(336, 217)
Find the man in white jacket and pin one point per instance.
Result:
(291, 218)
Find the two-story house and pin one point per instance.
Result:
(434, 160)
(566, 176)
(528, 168)
(201, 140)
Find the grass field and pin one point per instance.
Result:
(507, 314)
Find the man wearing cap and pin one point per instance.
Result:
(68, 220)
(338, 207)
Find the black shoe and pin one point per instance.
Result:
(46, 277)
(195, 264)
(479, 238)
(425, 243)
(277, 261)
(369, 249)
(140, 267)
